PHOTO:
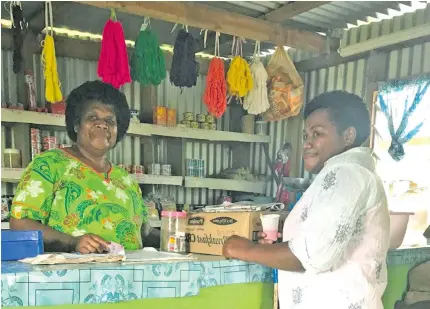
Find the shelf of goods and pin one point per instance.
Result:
(140, 129)
(226, 184)
(13, 175)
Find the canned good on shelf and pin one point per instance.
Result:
(212, 126)
(12, 158)
(138, 170)
(194, 125)
(189, 116)
(210, 119)
(201, 118)
(187, 123)
(166, 170)
(204, 125)
(154, 169)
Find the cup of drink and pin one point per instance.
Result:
(270, 223)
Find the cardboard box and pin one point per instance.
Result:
(207, 231)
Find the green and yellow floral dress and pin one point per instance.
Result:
(69, 196)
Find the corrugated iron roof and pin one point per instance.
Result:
(336, 14)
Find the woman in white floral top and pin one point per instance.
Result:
(336, 238)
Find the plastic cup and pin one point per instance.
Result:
(270, 225)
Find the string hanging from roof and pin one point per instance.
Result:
(185, 69)
(147, 63)
(52, 82)
(113, 66)
(257, 101)
(215, 96)
(239, 78)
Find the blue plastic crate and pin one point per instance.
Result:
(17, 245)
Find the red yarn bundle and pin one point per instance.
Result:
(215, 96)
(113, 66)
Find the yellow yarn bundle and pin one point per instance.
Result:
(239, 77)
(52, 83)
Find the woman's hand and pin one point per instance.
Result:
(262, 240)
(90, 243)
(236, 247)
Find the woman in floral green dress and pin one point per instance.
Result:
(75, 196)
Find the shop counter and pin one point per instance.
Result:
(209, 281)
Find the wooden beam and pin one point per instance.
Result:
(205, 17)
(290, 10)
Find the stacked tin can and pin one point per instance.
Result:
(36, 142)
(49, 142)
(154, 169)
(195, 168)
(166, 170)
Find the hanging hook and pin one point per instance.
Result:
(113, 14)
(146, 24)
(205, 36)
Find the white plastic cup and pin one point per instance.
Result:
(270, 223)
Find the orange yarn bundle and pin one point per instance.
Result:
(215, 96)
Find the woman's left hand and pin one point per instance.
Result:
(236, 247)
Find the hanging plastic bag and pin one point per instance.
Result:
(285, 87)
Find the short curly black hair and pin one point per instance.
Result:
(345, 110)
(103, 93)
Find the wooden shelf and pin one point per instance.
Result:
(226, 184)
(159, 180)
(12, 175)
(139, 129)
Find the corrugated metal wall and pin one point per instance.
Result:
(73, 72)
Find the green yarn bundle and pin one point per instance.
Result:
(148, 66)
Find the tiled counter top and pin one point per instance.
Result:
(39, 285)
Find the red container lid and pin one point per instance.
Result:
(179, 214)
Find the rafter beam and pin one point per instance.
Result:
(205, 17)
(290, 10)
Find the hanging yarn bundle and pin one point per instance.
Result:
(215, 96)
(185, 69)
(113, 67)
(18, 25)
(148, 66)
(52, 83)
(239, 78)
(257, 101)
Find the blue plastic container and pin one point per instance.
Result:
(17, 245)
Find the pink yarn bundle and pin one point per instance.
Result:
(113, 66)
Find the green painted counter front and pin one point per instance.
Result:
(399, 262)
(234, 296)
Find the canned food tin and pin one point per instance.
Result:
(210, 119)
(194, 124)
(171, 117)
(212, 126)
(204, 125)
(138, 169)
(154, 169)
(160, 115)
(189, 116)
(166, 170)
(187, 123)
(201, 118)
